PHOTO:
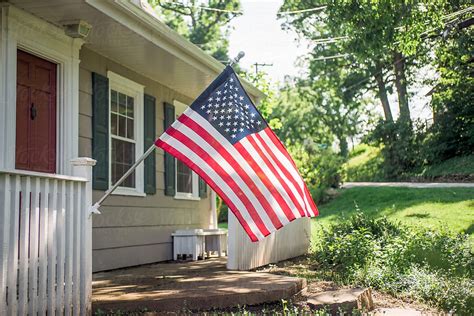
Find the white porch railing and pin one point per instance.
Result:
(290, 241)
(45, 240)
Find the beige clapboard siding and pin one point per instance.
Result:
(134, 230)
(114, 258)
(129, 216)
(112, 237)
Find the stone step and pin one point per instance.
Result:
(342, 300)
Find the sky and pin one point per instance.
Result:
(259, 35)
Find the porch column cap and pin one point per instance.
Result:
(83, 161)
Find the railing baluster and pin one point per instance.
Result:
(5, 210)
(14, 244)
(24, 244)
(43, 250)
(52, 240)
(61, 237)
(33, 251)
(69, 247)
(77, 246)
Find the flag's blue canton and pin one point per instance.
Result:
(229, 109)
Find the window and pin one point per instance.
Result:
(126, 136)
(187, 183)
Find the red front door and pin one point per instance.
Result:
(35, 114)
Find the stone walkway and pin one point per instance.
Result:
(190, 286)
(349, 185)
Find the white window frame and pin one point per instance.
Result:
(135, 90)
(180, 107)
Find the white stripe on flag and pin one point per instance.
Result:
(243, 163)
(293, 189)
(250, 148)
(300, 194)
(291, 169)
(216, 178)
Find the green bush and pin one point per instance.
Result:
(320, 168)
(433, 266)
(365, 164)
(401, 147)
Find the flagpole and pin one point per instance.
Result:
(95, 208)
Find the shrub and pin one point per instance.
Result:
(433, 266)
(365, 164)
(320, 167)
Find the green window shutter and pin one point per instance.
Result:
(149, 135)
(202, 188)
(100, 131)
(170, 181)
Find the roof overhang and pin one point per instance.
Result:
(129, 34)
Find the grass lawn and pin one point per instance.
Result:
(457, 165)
(451, 208)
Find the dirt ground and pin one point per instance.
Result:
(299, 267)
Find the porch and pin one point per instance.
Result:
(191, 285)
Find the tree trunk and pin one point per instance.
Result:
(343, 146)
(401, 84)
(383, 92)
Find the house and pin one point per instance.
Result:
(100, 79)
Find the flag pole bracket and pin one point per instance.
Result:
(237, 58)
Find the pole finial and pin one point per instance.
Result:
(239, 56)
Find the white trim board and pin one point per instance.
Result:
(21, 30)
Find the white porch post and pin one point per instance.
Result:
(213, 224)
(232, 240)
(82, 167)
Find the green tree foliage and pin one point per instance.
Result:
(205, 23)
(452, 133)
(378, 46)
(379, 37)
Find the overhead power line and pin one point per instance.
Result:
(303, 11)
(331, 57)
(204, 8)
(201, 7)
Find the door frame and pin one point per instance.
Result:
(21, 30)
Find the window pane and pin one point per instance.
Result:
(123, 157)
(122, 103)
(113, 123)
(130, 128)
(113, 100)
(130, 103)
(122, 127)
(184, 178)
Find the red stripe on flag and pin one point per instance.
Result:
(272, 169)
(280, 166)
(314, 208)
(189, 122)
(277, 142)
(266, 181)
(212, 184)
(230, 181)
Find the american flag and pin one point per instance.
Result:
(225, 140)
